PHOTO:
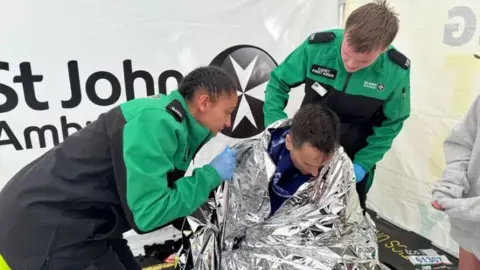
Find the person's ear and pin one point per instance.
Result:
(203, 102)
(288, 142)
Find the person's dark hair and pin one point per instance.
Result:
(372, 26)
(318, 125)
(214, 80)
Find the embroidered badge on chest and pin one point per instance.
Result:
(324, 71)
(372, 85)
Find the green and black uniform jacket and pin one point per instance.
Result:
(125, 170)
(372, 103)
(156, 152)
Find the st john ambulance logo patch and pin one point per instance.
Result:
(251, 66)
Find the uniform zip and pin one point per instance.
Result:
(346, 82)
(200, 146)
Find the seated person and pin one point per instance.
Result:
(299, 151)
(291, 201)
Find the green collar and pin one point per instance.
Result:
(197, 133)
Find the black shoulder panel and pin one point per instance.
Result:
(398, 58)
(176, 109)
(321, 37)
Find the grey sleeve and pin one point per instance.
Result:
(464, 208)
(457, 150)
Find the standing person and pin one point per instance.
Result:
(69, 208)
(359, 75)
(458, 191)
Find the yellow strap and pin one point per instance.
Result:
(3, 264)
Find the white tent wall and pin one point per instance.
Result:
(440, 38)
(53, 38)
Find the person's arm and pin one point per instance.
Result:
(457, 150)
(461, 208)
(149, 145)
(290, 73)
(396, 110)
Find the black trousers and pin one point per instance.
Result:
(362, 193)
(116, 254)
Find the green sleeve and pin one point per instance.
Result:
(149, 145)
(396, 110)
(290, 73)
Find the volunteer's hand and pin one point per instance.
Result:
(225, 163)
(437, 206)
(359, 172)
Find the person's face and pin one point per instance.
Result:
(306, 158)
(216, 115)
(354, 61)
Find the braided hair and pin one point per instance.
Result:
(214, 80)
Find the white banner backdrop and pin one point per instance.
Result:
(62, 63)
(440, 38)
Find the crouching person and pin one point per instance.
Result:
(291, 201)
(69, 208)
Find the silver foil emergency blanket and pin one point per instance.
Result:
(320, 227)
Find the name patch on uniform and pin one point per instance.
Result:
(324, 71)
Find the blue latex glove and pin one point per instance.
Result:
(225, 163)
(359, 172)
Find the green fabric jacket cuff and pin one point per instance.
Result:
(214, 179)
